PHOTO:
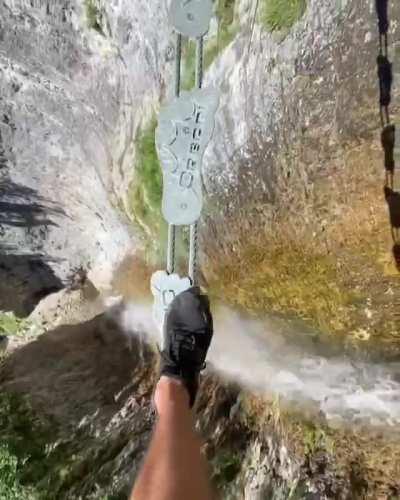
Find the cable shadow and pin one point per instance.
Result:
(25, 279)
(381, 7)
(388, 136)
(21, 206)
(25, 276)
(393, 202)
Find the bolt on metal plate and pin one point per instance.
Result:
(165, 287)
(191, 18)
(184, 130)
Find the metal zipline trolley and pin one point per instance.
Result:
(185, 128)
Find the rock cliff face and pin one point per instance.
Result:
(297, 171)
(76, 414)
(295, 222)
(296, 148)
(293, 107)
(72, 92)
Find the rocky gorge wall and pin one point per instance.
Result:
(299, 211)
(295, 222)
(296, 153)
(71, 96)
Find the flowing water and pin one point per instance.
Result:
(264, 357)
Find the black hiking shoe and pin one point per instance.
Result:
(188, 330)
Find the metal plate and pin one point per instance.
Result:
(184, 130)
(191, 17)
(165, 287)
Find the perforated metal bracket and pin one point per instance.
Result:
(191, 17)
(165, 287)
(184, 130)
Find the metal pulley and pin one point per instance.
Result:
(184, 130)
(191, 18)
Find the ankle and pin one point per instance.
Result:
(171, 397)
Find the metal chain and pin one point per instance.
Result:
(171, 245)
(388, 135)
(193, 242)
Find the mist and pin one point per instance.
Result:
(258, 357)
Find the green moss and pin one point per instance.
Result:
(278, 15)
(22, 434)
(227, 30)
(316, 439)
(145, 193)
(146, 189)
(35, 463)
(10, 487)
(189, 64)
(218, 44)
(225, 467)
(23, 457)
(11, 325)
(93, 16)
(284, 278)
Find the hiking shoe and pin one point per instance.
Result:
(188, 330)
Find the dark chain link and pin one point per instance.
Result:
(388, 134)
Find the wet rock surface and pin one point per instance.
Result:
(291, 104)
(76, 409)
(90, 408)
(296, 151)
(296, 174)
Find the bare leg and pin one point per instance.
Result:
(174, 468)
